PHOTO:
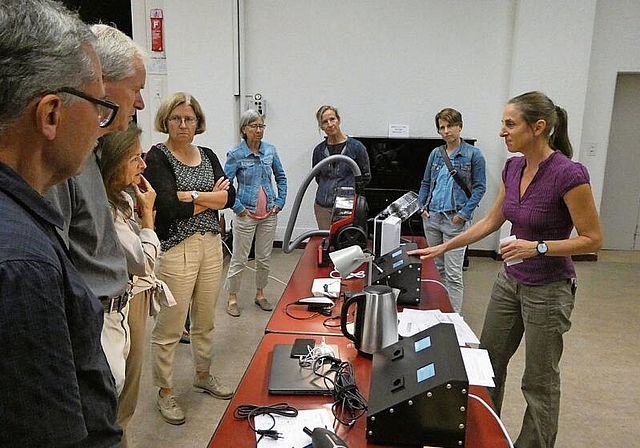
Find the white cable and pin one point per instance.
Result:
(359, 274)
(495, 416)
(430, 280)
(253, 269)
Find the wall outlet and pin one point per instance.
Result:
(591, 149)
(256, 102)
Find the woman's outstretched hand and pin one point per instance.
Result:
(428, 252)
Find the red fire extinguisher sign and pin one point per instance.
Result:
(156, 30)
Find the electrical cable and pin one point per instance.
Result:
(305, 317)
(321, 352)
(358, 274)
(252, 268)
(328, 322)
(495, 416)
(348, 403)
(249, 411)
(430, 280)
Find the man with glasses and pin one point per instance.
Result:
(107, 110)
(89, 229)
(57, 389)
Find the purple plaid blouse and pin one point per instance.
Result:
(541, 214)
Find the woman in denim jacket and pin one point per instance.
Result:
(447, 209)
(254, 163)
(336, 175)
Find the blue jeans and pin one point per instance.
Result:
(438, 228)
(542, 314)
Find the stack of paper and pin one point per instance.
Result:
(411, 321)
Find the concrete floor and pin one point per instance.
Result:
(600, 366)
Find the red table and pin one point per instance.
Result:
(433, 295)
(482, 430)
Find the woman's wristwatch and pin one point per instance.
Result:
(194, 196)
(542, 248)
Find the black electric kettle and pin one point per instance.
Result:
(376, 319)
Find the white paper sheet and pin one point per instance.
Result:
(412, 321)
(478, 366)
(291, 429)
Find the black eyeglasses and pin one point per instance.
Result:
(107, 110)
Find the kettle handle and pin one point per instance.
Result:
(343, 317)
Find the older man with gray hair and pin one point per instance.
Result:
(57, 389)
(89, 228)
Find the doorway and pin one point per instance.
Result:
(620, 208)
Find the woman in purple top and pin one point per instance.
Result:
(544, 195)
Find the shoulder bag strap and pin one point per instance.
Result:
(454, 173)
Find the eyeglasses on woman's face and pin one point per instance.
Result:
(178, 120)
(107, 110)
(255, 126)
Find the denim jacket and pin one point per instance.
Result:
(470, 163)
(255, 170)
(337, 175)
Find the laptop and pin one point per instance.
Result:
(288, 378)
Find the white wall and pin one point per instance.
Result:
(200, 60)
(385, 62)
(616, 48)
(379, 62)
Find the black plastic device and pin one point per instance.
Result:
(323, 438)
(301, 347)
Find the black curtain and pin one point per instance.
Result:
(112, 12)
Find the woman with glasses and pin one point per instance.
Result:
(191, 188)
(336, 175)
(256, 165)
(121, 166)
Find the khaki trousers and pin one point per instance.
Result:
(323, 216)
(540, 314)
(128, 399)
(192, 270)
(244, 230)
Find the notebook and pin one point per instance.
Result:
(288, 378)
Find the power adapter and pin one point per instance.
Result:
(321, 309)
(326, 287)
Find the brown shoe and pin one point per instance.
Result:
(233, 310)
(263, 303)
(213, 386)
(170, 409)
